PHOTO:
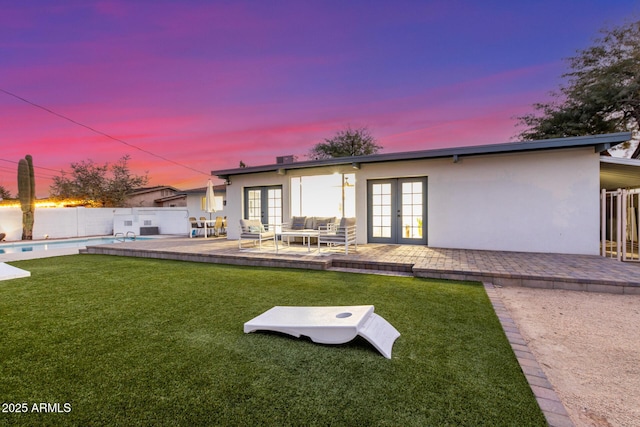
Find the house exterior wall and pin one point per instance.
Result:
(175, 203)
(235, 192)
(149, 198)
(542, 201)
(532, 202)
(194, 206)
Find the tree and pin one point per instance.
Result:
(4, 193)
(602, 92)
(90, 184)
(345, 143)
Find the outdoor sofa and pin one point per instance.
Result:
(310, 223)
(331, 231)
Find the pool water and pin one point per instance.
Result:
(47, 245)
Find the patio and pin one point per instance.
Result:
(541, 270)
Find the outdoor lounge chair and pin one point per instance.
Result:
(342, 235)
(252, 229)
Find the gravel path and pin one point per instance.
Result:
(588, 344)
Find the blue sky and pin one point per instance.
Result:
(209, 83)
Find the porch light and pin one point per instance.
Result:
(281, 171)
(355, 165)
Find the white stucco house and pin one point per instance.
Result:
(538, 196)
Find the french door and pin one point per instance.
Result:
(397, 211)
(264, 203)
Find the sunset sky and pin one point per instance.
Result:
(206, 84)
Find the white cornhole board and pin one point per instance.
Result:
(328, 325)
(10, 272)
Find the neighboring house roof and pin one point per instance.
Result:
(217, 188)
(152, 189)
(617, 173)
(599, 142)
(172, 197)
(636, 152)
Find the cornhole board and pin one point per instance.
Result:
(328, 325)
(10, 272)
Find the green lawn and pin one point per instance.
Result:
(128, 341)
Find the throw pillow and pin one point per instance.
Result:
(309, 224)
(297, 223)
(323, 222)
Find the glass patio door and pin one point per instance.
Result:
(397, 211)
(263, 203)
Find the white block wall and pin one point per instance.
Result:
(81, 222)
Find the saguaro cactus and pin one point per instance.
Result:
(27, 195)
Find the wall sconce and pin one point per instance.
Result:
(281, 171)
(355, 165)
(227, 180)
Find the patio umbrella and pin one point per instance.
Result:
(210, 202)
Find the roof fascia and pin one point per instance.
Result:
(599, 142)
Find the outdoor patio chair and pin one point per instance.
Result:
(217, 227)
(195, 227)
(252, 229)
(342, 235)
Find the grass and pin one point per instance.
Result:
(130, 341)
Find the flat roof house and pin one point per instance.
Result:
(538, 196)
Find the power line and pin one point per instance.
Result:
(15, 170)
(39, 167)
(101, 133)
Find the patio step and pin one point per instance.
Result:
(351, 264)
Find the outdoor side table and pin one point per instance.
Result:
(306, 235)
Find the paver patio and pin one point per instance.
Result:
(552, 271)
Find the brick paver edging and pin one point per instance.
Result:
(548, 400)
(214, 258)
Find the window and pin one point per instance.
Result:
(324, 195)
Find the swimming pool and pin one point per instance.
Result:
(55, 245)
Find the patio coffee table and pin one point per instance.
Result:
(306, 235)
(328, 325)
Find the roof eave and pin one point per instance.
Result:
(599, 142)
